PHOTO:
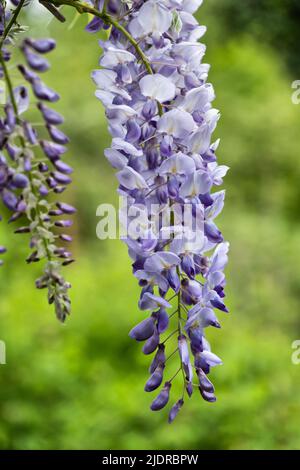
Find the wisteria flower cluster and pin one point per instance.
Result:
(31, 168)
(153, 85)
(159, 107)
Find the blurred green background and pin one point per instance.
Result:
(80, 385)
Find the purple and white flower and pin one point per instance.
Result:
(25, 178)
(158, 103)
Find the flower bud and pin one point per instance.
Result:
(50, 116)
(162, 320)
(52, 150)
(42, 92)
(159, 358)
(57, 135)
(133, 131)
(175, 410)
(20, 181)
(9, 199)
(35, 62)
(204, 383)
(42, 46)
(152, 343)
(63, 167)
(156, 379)
(149, 109)
(162, 399)
(143, 330)
(210, 397)
(66, 208)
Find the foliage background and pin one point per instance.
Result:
(80, 386)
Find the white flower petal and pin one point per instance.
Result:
(154, 17)
(177, 123)
(198, 98)
(131, 179)
(177, 164)
(113, 57)
(211, 358)
(157, 87)
(116, 158)
(200, 140)
(120, 113)
(22, 98)
(130, 149)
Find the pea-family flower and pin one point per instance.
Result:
(31, 166)
(153, 84)
(158, 103)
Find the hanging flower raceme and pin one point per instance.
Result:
(31, 168)
(153, 85)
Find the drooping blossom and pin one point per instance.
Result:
(153, 84)
(31, 166)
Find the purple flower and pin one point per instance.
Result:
(42, 92)
(42, 46)
(95, 25)
(50, 116)
(143, 330)
(156, 378)
(158, 103)
(162, 399)
(57, 135)
(9, 199)
(63, 167)
(185, 357)
(159, 358)
(151, 343)
(162, 320)
(61, 178)
(151, 302)
(26, 181)
(35, 62)
(30, 133)
(52, 150)
(175, 410)
(20, 181)
(66, 208)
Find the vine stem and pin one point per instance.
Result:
(180, 333)
(175, 375)
(11, 22)
(8, 83)
(172, 354)
(170, 336)
(179, 306)
(82, 8)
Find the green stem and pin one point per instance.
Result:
(8, 83)
(11, 22)
(175, 375)
(172, 314)
(170, 336)
(179, 307)
(82, 8)
(180, 333)
(172, 354)
(179, 318)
